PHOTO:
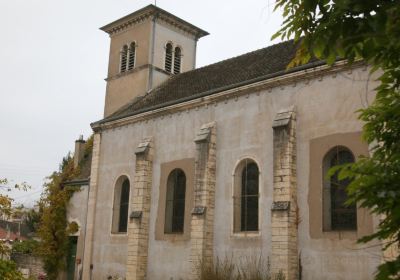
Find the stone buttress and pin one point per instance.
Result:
(202, 223)
(284, 208)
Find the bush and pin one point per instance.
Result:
(250, 268)
(9, 271)
(25, 247)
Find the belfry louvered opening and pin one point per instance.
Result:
(168, 57)
(132, 55)
(124, 58)
(177, 60)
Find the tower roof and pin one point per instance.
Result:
(147, 12)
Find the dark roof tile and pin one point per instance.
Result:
(243, 69)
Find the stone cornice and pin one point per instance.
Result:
(137, 69)
(234, 93)
(148, 13)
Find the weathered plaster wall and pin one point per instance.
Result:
(77, 212)
(186, 42)
(139, 33)
(324, 106)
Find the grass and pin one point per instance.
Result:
(249, 268)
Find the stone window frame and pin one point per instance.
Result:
(318, 148)
(236, 184)
(188, 167)
(117, 185)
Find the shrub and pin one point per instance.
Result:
(25, 247)
(9, 271)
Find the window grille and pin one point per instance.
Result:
(132, 53)
(175, 202)
(124, 57)
(168, 57)
(342, 216)
(177, 60)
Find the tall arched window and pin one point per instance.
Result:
(132, 54)
(168, 57)
(337, 215)
(246, 196)
(121, 205)
(177, 60)
(175, 202)
(124, 57)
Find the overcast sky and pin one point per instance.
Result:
(53, 61)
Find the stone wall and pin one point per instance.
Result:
(32, 263)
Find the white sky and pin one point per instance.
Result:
(53, 61)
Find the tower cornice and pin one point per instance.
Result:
(150, 12)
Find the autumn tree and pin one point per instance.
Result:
(369, 31)
(54, 228)
(8, 269)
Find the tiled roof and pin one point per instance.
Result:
(259, 65)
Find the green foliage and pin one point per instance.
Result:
(29, 246)
(367, 30)
(54, 228)
(251, 268)
(9, 271)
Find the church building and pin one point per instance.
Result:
(193, 165)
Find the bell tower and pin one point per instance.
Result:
(147, 47)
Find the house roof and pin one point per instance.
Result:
(245, 69)
(13, 230)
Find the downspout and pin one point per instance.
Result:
(153, 35)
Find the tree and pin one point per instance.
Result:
(54, 228)
(8, 269)
(367, 30)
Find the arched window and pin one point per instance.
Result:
(121, 205)
(168, 57)
(132, 54)
(337, 215)
(246, 195)
(124, 57)
(175, 202)
(177, 60)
